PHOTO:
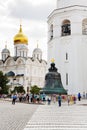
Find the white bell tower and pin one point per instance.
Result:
(67, 3)
(67, 43)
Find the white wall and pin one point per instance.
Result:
(66, 3)
(75, 45)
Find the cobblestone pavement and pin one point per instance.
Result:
(15, 117)
(52, 117)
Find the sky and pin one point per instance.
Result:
(33, 14)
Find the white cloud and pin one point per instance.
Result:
(28, 10)
(34, 15)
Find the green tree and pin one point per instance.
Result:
(3, 83)
(35, 89)
(19, 89)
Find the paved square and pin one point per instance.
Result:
(15, 117)
(52, 117)
(43, 117)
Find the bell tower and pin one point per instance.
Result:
(67, 3)
(67, 43)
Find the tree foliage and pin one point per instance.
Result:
(3, 83)
(35, 89)
(19, 89)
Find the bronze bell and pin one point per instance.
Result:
(53, 84)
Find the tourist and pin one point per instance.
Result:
(44, 97)
(27, 97)
(49, 100)
(38, 98)
(14, 97)
(59, 100)
(68, 99)
(74, 99)
(20, 97)
(54, 98)
(83, 95)
(86, 95)
(79, 96)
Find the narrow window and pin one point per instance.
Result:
(66, 78)
(23, 53)
(20, 53)
(27, 89)
(37, 56)
(66, 56)
(16, 51)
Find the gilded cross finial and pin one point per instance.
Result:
(20, 26)
(52, 60)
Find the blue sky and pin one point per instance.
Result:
(33, 14)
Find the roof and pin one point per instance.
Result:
(10, 73)
(5, 50)
(37, 50)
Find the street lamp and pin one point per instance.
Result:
(29, 85)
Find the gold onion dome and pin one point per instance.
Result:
(20, 38)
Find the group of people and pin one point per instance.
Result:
(28, 98)
(20, 97)
(71, 99)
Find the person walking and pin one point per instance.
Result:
(74, 98)
(59, 100)
(79, 96)
(14, 97)
(27, 97)
(49, 100)
(68, 99)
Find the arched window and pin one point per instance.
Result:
(84, 27)
(66, 28)
(51, 32)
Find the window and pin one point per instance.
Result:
(23, 53)
(51, 32)
(26, 54)
(20, 53)
(66, 28)
(84, 27)
(17, 80)
(16, 51)
(66, 56)
(27, 89)
(37, 56)
(66, 78)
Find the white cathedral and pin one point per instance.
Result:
(67, 43)
(23, 70)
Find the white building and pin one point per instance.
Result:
(21, 69)
(67, 43)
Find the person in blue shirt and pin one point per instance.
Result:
(59, 100)
(14, 97)
(79, 96)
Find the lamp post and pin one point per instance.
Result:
(29, 85)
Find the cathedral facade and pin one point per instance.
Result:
(67, 43)
(23, 70)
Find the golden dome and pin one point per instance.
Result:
(20, 38)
